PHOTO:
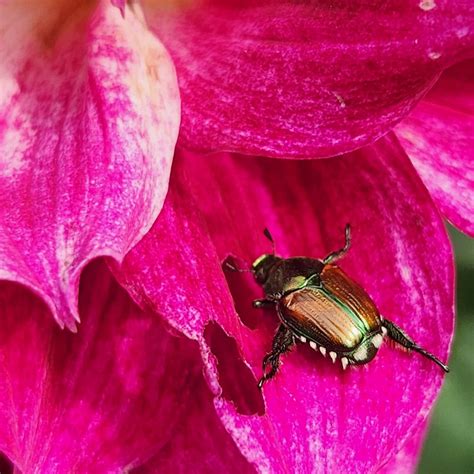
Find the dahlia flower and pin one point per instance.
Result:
(143, 144)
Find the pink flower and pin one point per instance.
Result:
(161, 374)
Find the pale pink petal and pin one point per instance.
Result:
(103, 400)
(304, 78)
(313, 416)
(439, 138)
(89, 113)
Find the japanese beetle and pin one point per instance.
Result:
(318, 304)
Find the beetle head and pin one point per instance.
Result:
(262, 266)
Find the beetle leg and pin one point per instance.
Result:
(400, 337)
(341, 252)
(262, 303)
(282, 342)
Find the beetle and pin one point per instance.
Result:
(319, 304)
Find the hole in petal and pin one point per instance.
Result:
(243, 289)
(236, 380)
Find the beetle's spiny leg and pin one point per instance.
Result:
(400, 337)
(333, 256)
(272, 359)
(282, 342)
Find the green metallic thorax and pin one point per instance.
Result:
(291, 274)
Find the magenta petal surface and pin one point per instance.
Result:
(200, 444)
(439, 138)
(304, 78)
(89, 114)
(102, 400)
(406, 460)
(313, 416)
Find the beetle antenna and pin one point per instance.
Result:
(232, 267)
(267, 234)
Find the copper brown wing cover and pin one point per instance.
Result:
(339, 314)
(352, 294)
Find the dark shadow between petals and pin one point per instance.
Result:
(238, 384)
(6, 466)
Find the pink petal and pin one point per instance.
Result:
(89, 116)
(313, 416)
(103, 400)
(200, 443)
(438, 136)
(305, 79)
(406, 460)
(120, 4)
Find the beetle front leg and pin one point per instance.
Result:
(333, 256)
(262, 303)
(400, 337)
(282, 342)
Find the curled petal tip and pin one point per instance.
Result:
(113, 129)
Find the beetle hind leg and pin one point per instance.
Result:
(333, 256)
(282, 342)
(400, 337)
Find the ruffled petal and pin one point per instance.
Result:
(89, 114)
(304, 78)
(438, 137)
(313, 416)
(103, 400)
